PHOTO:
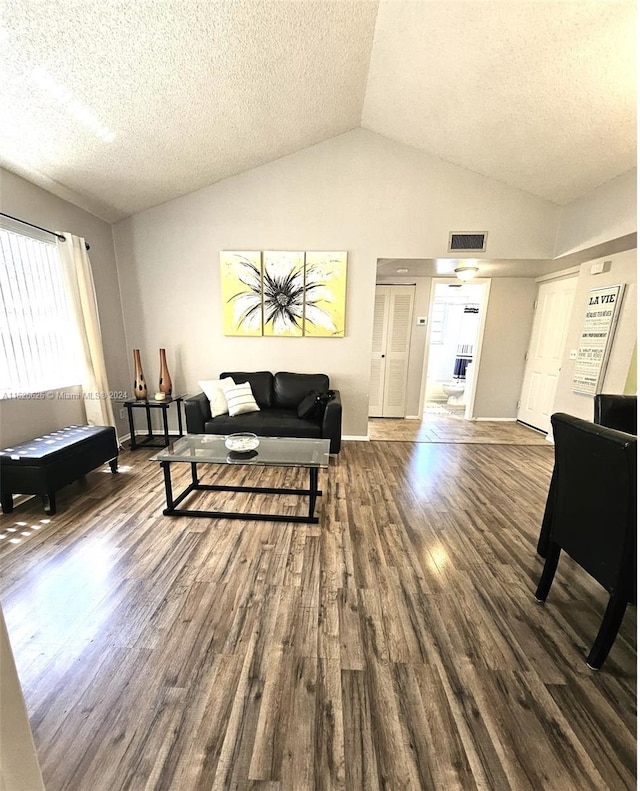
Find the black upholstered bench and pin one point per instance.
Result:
(45, 464)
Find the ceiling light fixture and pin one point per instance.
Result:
(466, 272)
(402, 271)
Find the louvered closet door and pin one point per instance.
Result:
(390, 350)
(378, 350)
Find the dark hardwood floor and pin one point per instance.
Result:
(396, 645)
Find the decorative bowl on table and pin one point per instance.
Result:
(242, 443)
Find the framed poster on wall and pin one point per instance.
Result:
(601, 316)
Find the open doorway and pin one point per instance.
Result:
(456, 323)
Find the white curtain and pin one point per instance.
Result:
(82, 296)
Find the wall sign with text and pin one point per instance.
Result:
(601, 316)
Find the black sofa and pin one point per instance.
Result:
(278, 396)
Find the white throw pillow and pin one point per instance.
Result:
(212, 388)
(240, 399)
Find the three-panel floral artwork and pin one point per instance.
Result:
(283, 293)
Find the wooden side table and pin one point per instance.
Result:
(148, 404)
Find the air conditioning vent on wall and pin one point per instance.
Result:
(469, 242)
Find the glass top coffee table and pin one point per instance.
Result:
(194, 449)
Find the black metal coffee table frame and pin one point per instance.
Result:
(195, 449)
(195, 486)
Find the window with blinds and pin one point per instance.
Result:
(39, 347)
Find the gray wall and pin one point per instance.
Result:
(21, 419)
(601, 217)
(608, 212)
(623, 270)
(357, 192)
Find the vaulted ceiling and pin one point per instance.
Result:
(119, 106)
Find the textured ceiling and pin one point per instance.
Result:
(119, 105)
(539, 95)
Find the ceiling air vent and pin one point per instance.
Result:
(469, 242)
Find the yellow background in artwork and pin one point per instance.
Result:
(277, 266)
(330, 320)
(237, 296)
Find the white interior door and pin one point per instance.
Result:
(544, 359)
(392, 322)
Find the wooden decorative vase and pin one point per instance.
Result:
(165, 385)
(139, 383)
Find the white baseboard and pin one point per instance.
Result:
(496, 419)
(412, 417)
(355, 439)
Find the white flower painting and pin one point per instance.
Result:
(283, 293)
(325, 293)
(241, 273)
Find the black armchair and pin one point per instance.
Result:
(611, 410)
(616, 411)
(593, 516)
